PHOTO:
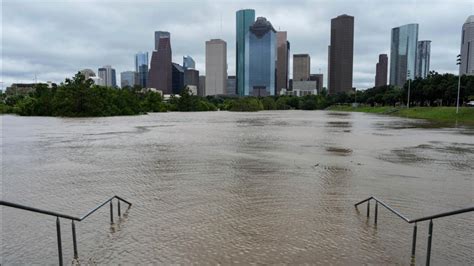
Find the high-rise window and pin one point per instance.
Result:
(141, 67)
(244, 19)
(403, 54)
(260, 58)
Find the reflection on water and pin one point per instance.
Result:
(224, 187)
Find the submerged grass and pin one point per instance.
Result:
(435, 114)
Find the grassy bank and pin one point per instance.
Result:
(435, 114)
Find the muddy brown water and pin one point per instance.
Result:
(221, 187)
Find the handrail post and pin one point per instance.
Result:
(111, 213)
(376, 212)
(368, 208)
(60, 249)
(118, 207)
(74, 242)
(430, 238)
(413, 245)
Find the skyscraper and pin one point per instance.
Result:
(283, 59)
(244, 19)
(177, 78)
(216, 67)
(381, 71)
(260, 59)
(141, 67)
(341, 54)
(188, 62)
(160, 74)
(202, 86)
(230, 85)
(128, 79)
(319, 78)
(107, 74)
(422, 67)
(88, 73)
(191, 78)
(467, 47)
(403, 54)
(301, 67)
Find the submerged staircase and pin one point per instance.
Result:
(72, 219)
(411, 221)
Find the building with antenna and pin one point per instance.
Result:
(216, 67)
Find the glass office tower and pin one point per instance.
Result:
(403, 54)
(423, 59)
(260, 58)
(141, 67)
(188, 62)
(177, 77)
(128, 79)
(244, 19)
(107, 74)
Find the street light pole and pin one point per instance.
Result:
(459, 83)
(409, 79)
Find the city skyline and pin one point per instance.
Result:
(53, 59)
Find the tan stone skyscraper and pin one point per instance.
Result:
(341, 54)
(283, 53)
(216, 67)
(301, 67)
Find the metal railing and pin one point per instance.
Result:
(410, 221)
(72, 218)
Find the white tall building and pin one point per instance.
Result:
(107, 74)
(467, 47)
(216, 67)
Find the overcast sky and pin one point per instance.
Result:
(55, 39)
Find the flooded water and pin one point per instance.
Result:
(222, 187)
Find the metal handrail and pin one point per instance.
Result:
(101, 205)
(32, 209)
(69, 217)
(415, 221)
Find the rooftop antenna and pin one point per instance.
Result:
(220, 33)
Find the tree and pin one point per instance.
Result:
(268, 103)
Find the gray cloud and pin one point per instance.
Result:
(54, 39)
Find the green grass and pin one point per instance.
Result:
(435, 114)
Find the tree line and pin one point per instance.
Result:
(79, 97)
(434, 90)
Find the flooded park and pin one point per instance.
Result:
(236, 188)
